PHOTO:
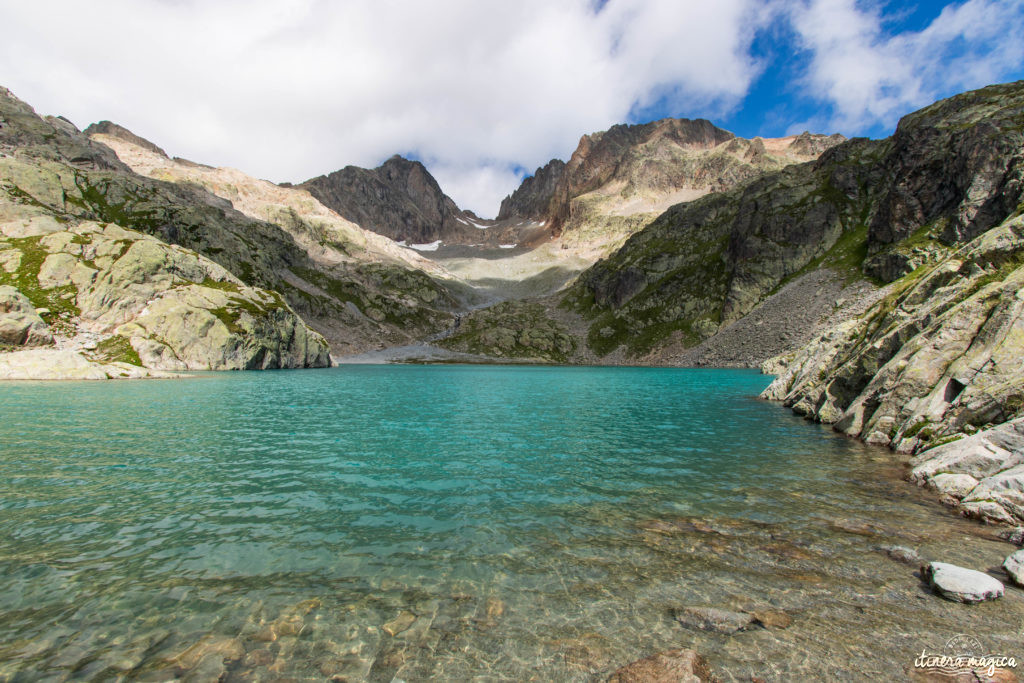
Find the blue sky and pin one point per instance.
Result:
(780, 99)
(484, 91)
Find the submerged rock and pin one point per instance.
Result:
(772, 618)
(401, 623)
(671, 666)
(903, 554)
(962, 585)
(713, 619)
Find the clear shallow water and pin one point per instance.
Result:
(381, 522)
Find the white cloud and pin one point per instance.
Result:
(870, 77)
(290, 90)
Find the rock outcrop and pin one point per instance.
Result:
(937, 356)
(982, 473)
(20, 322)
(117, 295)
(512, 329)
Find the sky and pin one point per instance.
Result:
(484, 92)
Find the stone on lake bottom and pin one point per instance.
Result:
(400, 623)
(671, 666)
(902, 553)
(713, 619)
(772, 618)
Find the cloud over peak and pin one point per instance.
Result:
(476, 90)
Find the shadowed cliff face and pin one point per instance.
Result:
(399, 199)
(876, 208)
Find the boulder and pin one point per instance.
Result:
(960, 584)
(1014, 566)
(20, 324)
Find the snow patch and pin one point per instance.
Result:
(426, 247)
(508, 246)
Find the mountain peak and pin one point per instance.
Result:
(114, 130)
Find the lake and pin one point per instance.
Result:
(458, 522)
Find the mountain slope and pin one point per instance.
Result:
(49, 167)
(864, 208)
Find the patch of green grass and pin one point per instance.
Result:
(915, 429)
(60, 301)
(230, 318)
(116, 349)
(222, 285)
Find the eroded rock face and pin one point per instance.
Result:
(619, 180)
(937, 357)
(958, 160)
(111, 128)
(399, 199)
(532, 199)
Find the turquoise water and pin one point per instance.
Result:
(382, 522)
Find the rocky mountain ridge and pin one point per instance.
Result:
(615, 182)
(401, 200)
(618, 180)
